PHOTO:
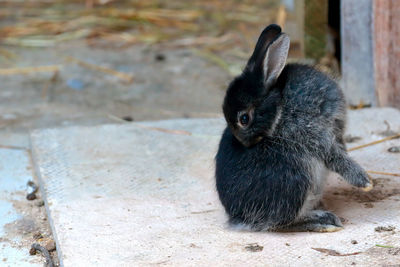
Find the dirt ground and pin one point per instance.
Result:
(180, 85)
(32, 228)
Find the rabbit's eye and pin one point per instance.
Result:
(244, 119)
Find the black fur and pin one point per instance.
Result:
(265, 172)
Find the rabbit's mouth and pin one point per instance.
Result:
(248, 142)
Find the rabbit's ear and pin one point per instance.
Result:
(275, 58)
(269, 34)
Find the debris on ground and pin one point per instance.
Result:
(394, 251)
(31, 227)
(39, 203)
(380, 229)
(192, 245)
(350, 139)
(28, 70)
(37, 235)
(385, 173)
(36, 247)
(388, 131)
(254, 247)
(128, 118)
(354, 242)
(47, 243)
(178, 132)
(383, 253)
(159, 57)
(390, 249)
(394, 149)
(375, 142)
(126, 77)
(368, 205)
(378, 193)
(332, 252)
(383, 246)
(34, 188)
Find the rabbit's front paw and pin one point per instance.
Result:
(362, 180)
(368, 185)
(359, 178)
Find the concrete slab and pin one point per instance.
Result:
(14, 174)
(144, 194)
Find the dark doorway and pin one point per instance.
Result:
(334, 26)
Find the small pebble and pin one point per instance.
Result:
(32, 251)
(127, 118)
(160, 57)
(39, 203)
(31, 196)
(394, 149)
(368, 205)
(37, 235)
(254, 247)
(354, 242)
(192, 245)
(48, 244)
(384, 228)
(34, 188)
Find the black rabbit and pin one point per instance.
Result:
(285, 131)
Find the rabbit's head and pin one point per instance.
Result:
(252, 102)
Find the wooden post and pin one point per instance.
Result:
(370, 34)
(387, 51)
(357, 52)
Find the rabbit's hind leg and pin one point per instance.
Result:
(315, 221)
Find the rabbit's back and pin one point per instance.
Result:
(309, 91)
(313, 109)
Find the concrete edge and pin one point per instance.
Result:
(36, 172)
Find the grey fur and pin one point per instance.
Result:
(271, 173)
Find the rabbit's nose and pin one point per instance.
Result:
(248, 142)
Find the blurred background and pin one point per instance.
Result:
(108, 61)
(91, 62)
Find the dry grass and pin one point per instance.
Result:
(200, 23)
